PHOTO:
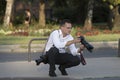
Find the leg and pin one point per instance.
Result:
(49, 57)
(51, 54)
(66, 61)
(72, 61)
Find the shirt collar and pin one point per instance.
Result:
(61, 34)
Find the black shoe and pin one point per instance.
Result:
(52, 74)
(62, 70)
(38, 61)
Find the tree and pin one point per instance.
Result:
(2, 10)
(88, 21)
(114, 6)
(80, 10)
(42, 13)
(8, 12)
(75, 10)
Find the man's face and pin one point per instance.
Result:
(66, 29)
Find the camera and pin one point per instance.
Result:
(86, 44)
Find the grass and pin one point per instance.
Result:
(103, 37)
(4, 40)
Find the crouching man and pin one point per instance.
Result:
(55, 50)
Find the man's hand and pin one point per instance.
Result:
(76, 40)
(81, 48)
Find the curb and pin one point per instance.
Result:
(40, 47)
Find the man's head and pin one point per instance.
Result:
(66, 26)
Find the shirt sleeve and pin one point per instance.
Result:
(56, 40)
(73, 50)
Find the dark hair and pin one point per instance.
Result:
(64, 21)
(27, 9)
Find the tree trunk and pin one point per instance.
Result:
(88, 21)
(8, 12)
(42, 13)
(116, 23)
(110, 19)
(88, 24)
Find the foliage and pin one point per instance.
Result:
(113, 2)
(100, 9)
(19, 19)
(24, 40)
(2, 32)
(75, 10)
(65, 12)
(33, 30)
(2, 10)
(18, 35)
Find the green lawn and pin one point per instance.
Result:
(24, 40)
(17, 40)
(104, 37)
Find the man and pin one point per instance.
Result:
(27, 17)
(56, 53)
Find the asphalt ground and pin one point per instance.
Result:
(97, 53)
(106, 68)
(106, 78)
(102, 57)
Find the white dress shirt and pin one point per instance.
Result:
(56, 38)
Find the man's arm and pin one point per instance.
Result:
(72, 42)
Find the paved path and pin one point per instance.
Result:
(97, 53)
(102, 64)
(95, 68)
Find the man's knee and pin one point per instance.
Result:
(54, 50)
(76, 61)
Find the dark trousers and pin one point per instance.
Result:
(65, 60)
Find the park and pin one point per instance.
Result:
(25, 26)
